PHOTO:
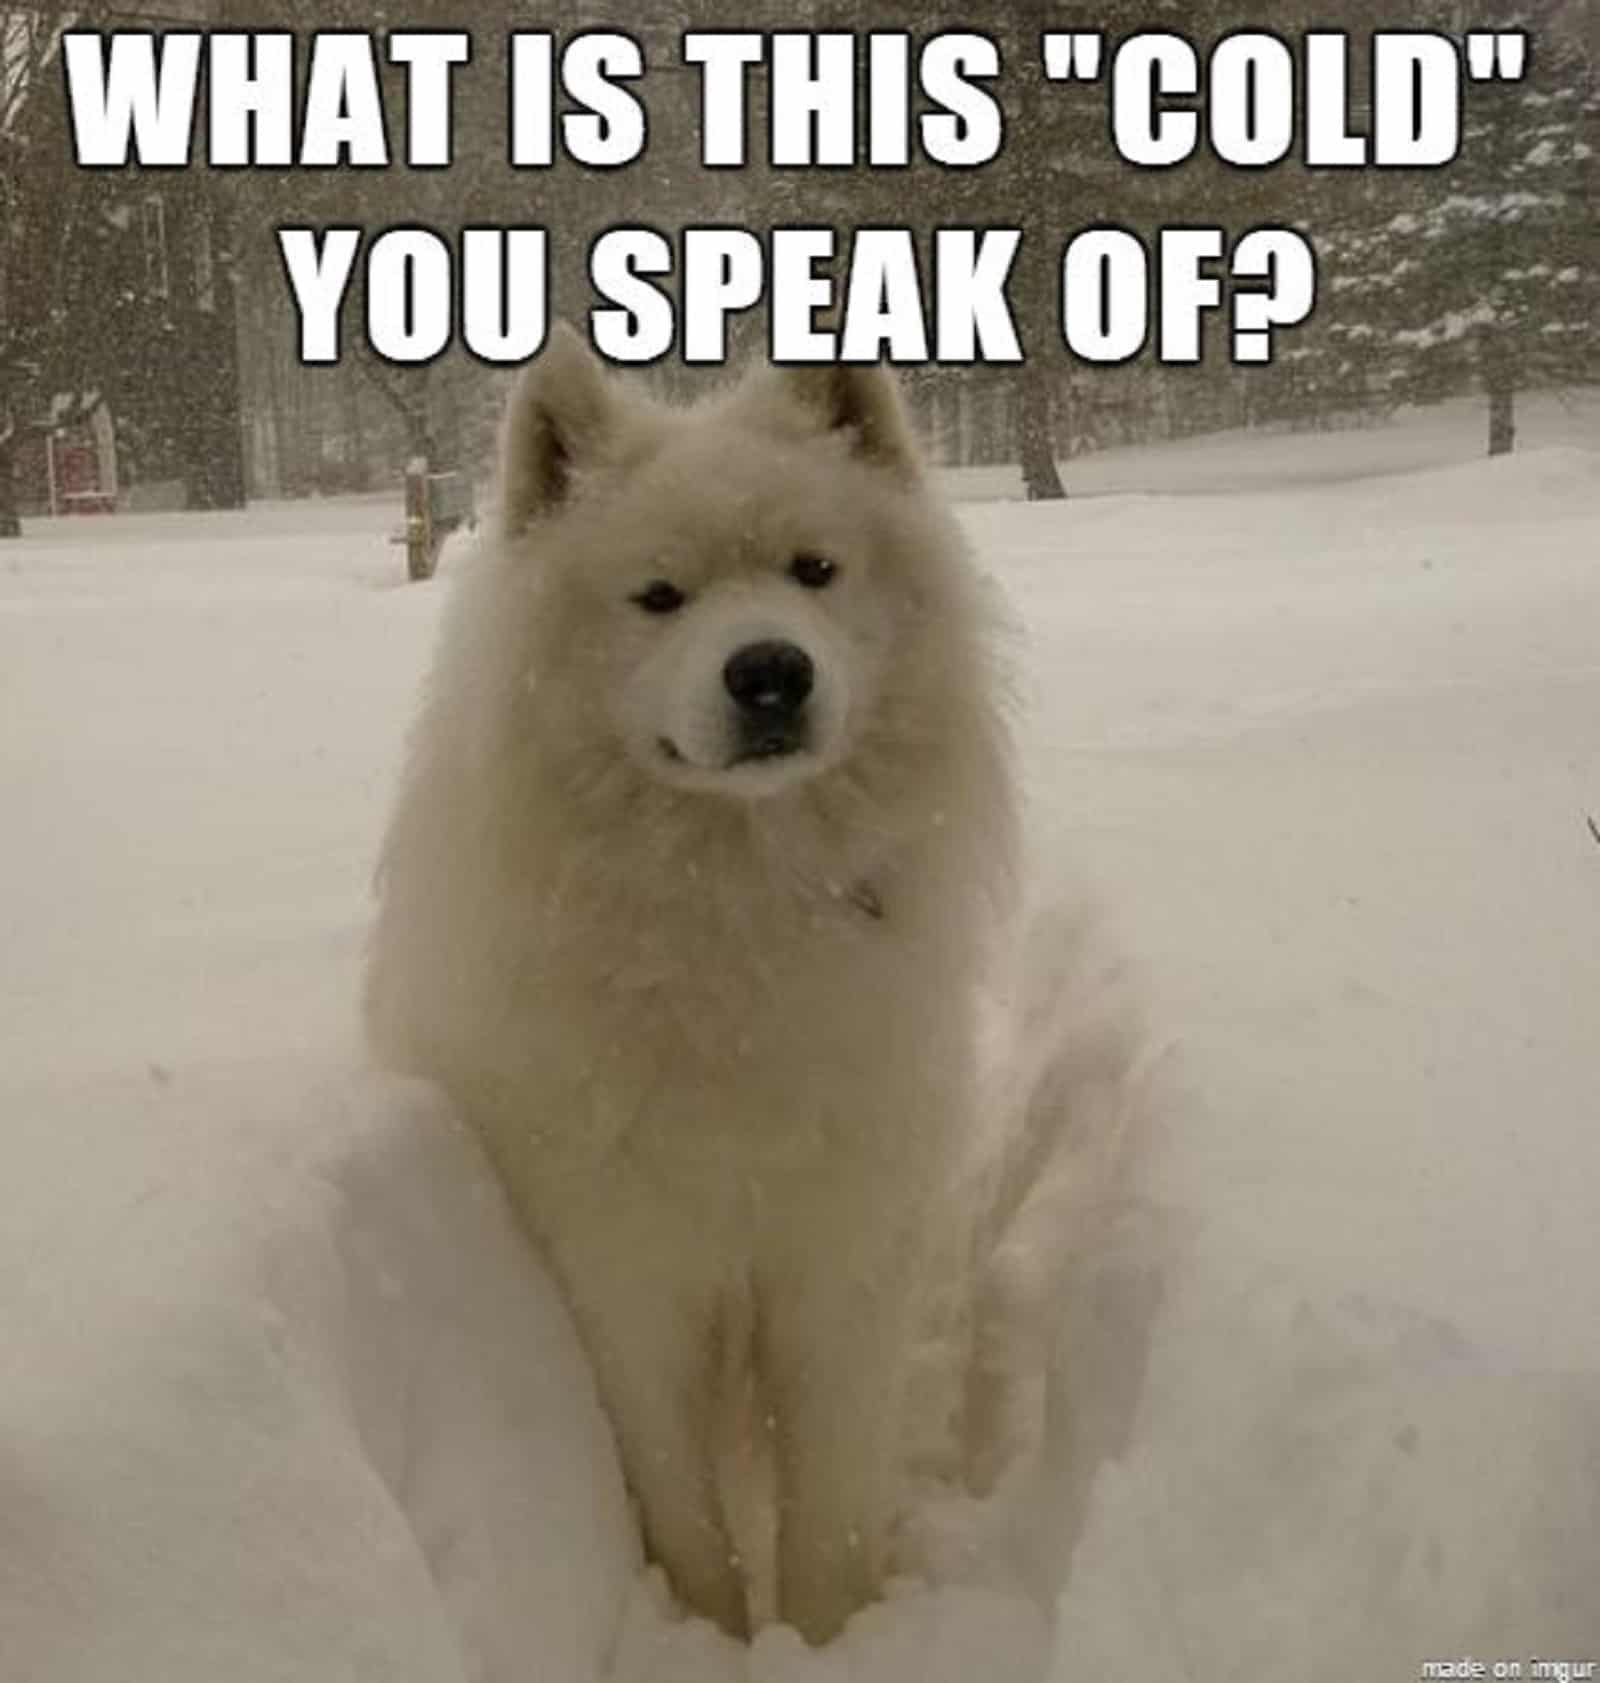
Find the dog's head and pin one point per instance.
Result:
(740, 594)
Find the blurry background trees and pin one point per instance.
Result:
(162, 297)
(118, 335)
(52, 238)
(1483, 277)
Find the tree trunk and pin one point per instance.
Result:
(10, 520)
(1502, 414)
(409, 398)
(355, 435)
(419, 433)
(1038, 279)
(1036, 437)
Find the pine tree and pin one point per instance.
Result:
(1496, 279)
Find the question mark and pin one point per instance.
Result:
(1286, 262)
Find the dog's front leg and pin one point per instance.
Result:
(837, 1343)
(651, 1332)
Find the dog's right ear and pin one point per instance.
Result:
(561, 413)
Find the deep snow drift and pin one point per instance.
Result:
(283, 1396)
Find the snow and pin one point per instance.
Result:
(282, 1395)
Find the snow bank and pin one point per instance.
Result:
(1326, 1489)
(291, 1400)
(282, 1394)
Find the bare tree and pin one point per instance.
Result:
(40, 205)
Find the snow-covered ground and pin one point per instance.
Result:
(283, 1397)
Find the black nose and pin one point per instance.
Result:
(770, 679)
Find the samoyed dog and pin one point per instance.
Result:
(690, 899)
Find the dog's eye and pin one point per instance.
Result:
(815, 572)
(660, 597)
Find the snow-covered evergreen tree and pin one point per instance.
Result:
(1491, 275)
(1484, 275)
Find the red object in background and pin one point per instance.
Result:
(77, 467)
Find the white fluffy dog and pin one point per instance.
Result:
(688, 901)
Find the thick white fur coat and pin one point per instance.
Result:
(717, 1021)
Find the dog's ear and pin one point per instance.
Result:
(863, 403)
(561, 415)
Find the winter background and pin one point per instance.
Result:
(1311, 686)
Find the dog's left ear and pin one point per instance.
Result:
(863, 403)
(562, 415)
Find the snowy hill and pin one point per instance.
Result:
(282, 1396)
